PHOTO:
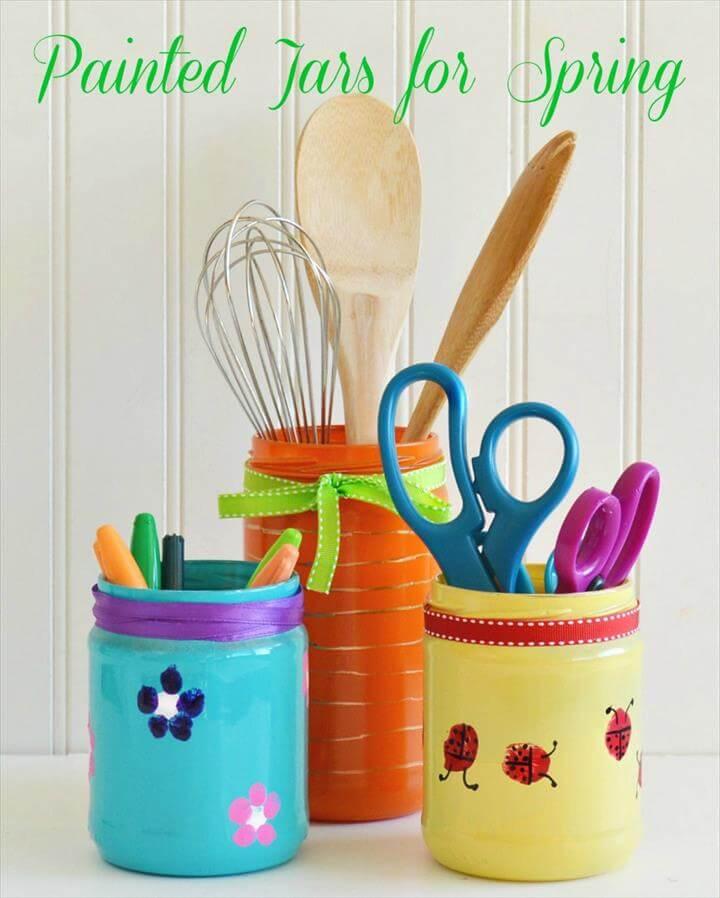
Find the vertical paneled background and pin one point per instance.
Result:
(111, 404)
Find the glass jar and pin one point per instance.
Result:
(198, 724)
(365, 751)
(532, 731)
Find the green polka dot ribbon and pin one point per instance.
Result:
(267, 496)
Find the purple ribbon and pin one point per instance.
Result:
(197, 620)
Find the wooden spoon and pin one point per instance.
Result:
(358, 197)
(496, 270)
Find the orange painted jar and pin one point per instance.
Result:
(365, 654)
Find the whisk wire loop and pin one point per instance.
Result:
(263, 346)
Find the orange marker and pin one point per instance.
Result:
(96, 550)
(116, 560)
(279, 568)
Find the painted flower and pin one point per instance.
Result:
(91, 758)
(171, 709)
(253, 815)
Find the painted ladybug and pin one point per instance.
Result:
(619, 730)
(460, 750)
(526, 763)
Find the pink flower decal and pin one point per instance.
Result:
(91, 759)
(253, 815)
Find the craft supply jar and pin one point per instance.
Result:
(198, 724)
(365, 750)
(532, 731)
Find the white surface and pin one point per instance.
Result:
(107, 202)
(47, 852)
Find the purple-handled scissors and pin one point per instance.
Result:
(603, 534)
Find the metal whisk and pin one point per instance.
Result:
(270, 362)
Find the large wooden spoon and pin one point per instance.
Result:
(358, 197)
(496, 270)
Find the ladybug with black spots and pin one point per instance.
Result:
(619, 730)
(460, 750)
(527, 764)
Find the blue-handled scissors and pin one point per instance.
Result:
(471, 555)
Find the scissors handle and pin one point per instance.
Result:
(551, 578)
(516, 522)
(637, 491)
(454, 544)
(586, 539)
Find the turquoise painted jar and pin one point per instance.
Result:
(198, 724)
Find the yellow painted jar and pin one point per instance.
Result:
(532, 738)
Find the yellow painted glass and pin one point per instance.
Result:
(532, 696)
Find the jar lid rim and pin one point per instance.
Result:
(208, 581)
(538, 605)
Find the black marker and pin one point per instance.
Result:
(173, 561)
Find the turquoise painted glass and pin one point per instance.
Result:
(198, 746)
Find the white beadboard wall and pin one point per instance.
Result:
(111, 404)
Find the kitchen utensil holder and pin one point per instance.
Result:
(198, 724)
(532, 731)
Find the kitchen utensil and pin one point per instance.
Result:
(604, 533)
(472, 554)
(358, 194)
(282, 377)
(497, 269)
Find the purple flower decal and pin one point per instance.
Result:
(171, 709)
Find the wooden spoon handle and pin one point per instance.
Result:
(496, 271)
(371, 326)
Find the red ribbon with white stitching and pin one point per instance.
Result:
(534, 632)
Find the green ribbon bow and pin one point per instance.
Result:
(266, 496)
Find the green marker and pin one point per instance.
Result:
(291, 537)
(146, 549)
